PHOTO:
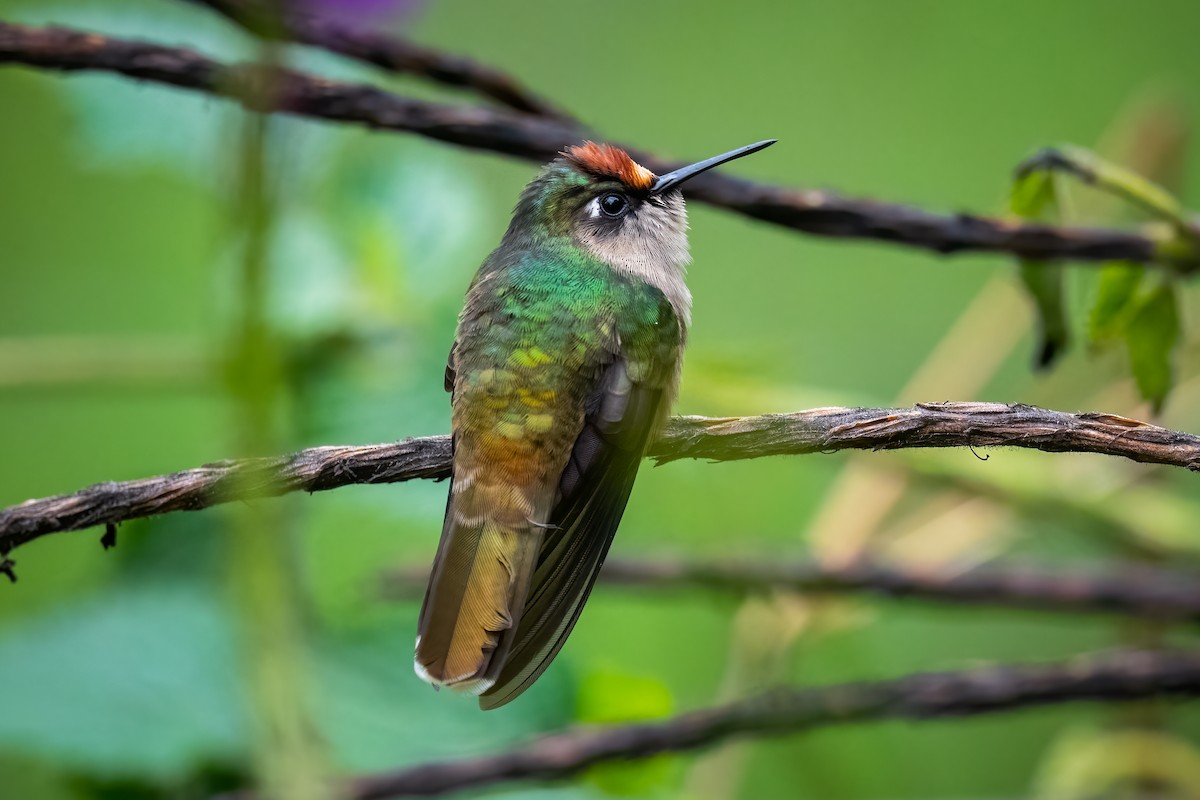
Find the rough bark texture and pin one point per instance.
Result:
(975, 425)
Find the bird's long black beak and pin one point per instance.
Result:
(672, 179)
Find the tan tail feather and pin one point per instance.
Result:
(476, 592)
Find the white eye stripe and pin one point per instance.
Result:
(593, 207)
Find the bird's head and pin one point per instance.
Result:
(614, 208)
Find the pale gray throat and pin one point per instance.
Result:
(651, 245)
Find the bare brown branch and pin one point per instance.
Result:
(311, 470)
(387, 52)
(975, 425)
(540, 139)
(1137, 591)
(1117, 676)
(926, 425)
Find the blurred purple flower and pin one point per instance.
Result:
(359, 14)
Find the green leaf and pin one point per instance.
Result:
(1044, 282)
(143, 683)
(1034, 196)
(1151, 336)
(1115, 293)
(611, 697)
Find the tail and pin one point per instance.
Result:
(478, 586)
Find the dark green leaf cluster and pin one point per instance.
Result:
(1129, 307)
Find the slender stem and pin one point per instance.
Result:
(260, 561)
(1117, 181)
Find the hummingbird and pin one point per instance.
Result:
(563, 370)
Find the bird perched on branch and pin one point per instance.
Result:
(564, 368)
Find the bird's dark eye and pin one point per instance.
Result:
(613, 205)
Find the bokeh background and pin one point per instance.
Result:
(125, 673)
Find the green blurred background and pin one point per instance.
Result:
(121, 673)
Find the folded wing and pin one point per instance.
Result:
(592, 494)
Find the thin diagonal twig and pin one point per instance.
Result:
(387, 52)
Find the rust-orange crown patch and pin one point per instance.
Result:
(607, 161)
